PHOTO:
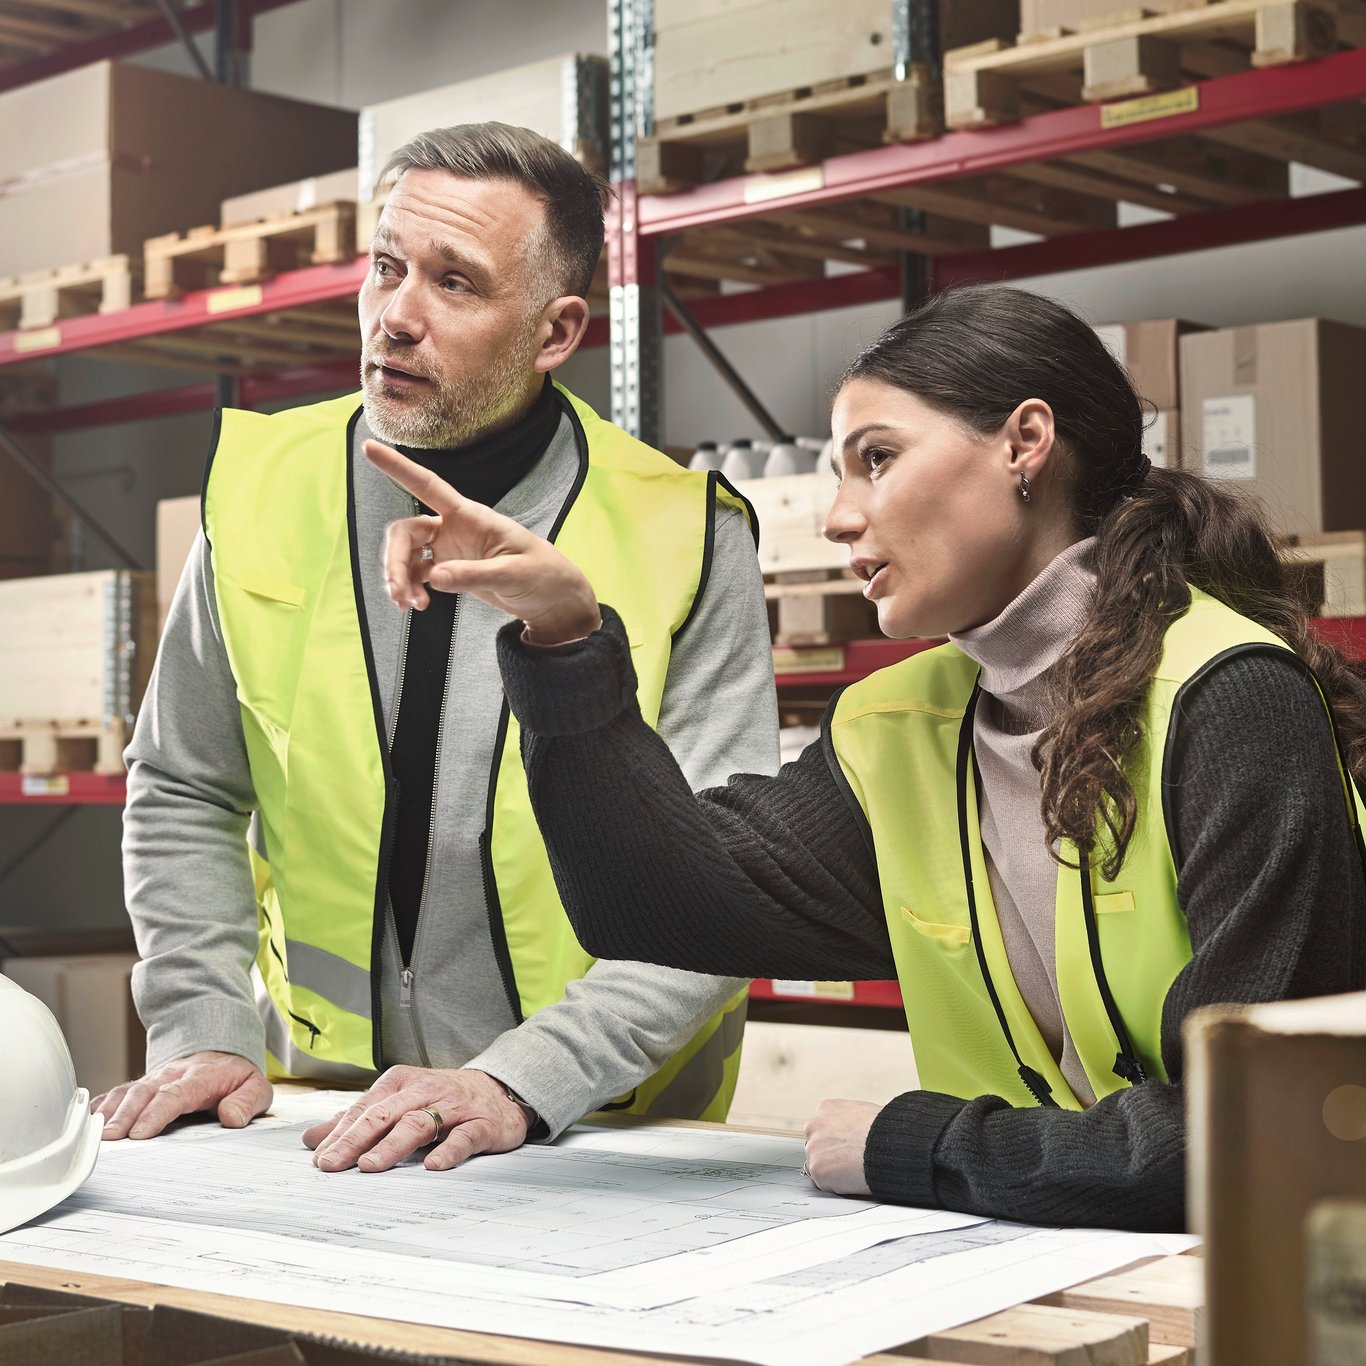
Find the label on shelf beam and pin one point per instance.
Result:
(821, 991)
(45, 785)
(229, 300)
(1165, 106)
(41, 339)
(760, 189)
(787, 660)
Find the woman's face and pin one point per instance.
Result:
(931, 511)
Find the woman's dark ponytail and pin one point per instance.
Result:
(978, 353)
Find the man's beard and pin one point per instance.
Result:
(452, 412)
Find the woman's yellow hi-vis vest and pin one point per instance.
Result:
(903, 739)
(279, 516)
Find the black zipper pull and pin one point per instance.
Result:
(1128, 1068)
(1038, 1087)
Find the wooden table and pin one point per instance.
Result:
(1143, 1316)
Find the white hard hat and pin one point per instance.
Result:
(48, 1137)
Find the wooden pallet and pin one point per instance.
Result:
(1329, 570)
(794, 128)
(63, 747)
(818, 607)
(40, 298)
(249, 252)
(1137, 55)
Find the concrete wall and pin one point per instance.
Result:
(353, 52)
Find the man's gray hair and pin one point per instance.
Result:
(574, 197)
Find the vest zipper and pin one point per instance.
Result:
(1127, 1066)
(406, 980)
(1037, 1085)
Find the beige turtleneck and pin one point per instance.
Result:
(1016, 651)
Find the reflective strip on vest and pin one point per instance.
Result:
(1119, 945)
(280, 520)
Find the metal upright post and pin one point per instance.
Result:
(915, 44)
(636, 320)
(232, 48)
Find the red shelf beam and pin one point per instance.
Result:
(1060, 133)
(63, 789)
(292, 290)
(828, 993)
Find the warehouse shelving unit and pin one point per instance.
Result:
(293, 335)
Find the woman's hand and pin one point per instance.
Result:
(476, 550)
(836, 1136)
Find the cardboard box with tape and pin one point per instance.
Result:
(1275, 408)
(1151, 352)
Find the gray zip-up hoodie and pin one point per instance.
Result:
(190, 801)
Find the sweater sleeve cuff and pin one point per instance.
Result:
(898, 1157)
(568, 689)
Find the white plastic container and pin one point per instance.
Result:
(706, 457)
(742, 461)
(787, 458)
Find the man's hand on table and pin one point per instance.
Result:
(390, 1121)
(201, 1081)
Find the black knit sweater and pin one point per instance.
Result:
(771, 877)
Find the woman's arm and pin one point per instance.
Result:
(765, 877)
(1273, 891)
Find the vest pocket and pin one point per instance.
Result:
(949, 937)
(277, 590)
(1111, 903)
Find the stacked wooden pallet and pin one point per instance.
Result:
(76, 651)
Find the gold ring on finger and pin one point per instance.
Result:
(436, 1119)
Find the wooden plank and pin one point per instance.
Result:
(1169, 1294)
(791, 512)
(1040, 1335)
(1009, 203)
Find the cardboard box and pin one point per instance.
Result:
(178, 523)
(1275, 408)
(28, 526)
(112, 155)
(1276, 1098)
(711, 53)
(298, 196)
(91, 996)
(1042, 16)
(563, 98)
(1151, 352)
(76, 648)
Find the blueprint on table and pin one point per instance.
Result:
(652, 1238)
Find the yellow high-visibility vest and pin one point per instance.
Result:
(279, 517)
(903, 738)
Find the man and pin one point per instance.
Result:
(394, 893)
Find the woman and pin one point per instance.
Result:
(1114, 796)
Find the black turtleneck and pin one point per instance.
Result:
(485, 470)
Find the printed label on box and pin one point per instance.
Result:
(1155, 442)
(1230, 437)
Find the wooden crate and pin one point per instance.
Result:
(76, 651)
(249, 252)
(1138, 55)
(763, 85)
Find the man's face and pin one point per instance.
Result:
(449, 313)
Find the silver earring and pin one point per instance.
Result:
(1024, 488)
